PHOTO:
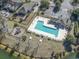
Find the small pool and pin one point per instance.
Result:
(40, 26)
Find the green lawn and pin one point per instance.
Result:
(70, 56)
(5, 55)
(10, 24)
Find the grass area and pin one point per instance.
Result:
(5, 55)
(70, 56)
(10, 24)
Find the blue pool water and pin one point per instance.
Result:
(40, 26)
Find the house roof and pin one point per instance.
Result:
(28, 6)
(49, 11)
(21, 12)
(11, 6)
(25, 9)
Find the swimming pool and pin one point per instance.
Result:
(40, 26)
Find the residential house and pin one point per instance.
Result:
(25, 10)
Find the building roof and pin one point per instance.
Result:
(11, 6)
(25, 9)
(29, 6)
(49, 11)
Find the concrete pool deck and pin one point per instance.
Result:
(61, 33)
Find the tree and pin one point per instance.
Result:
(58, 0)
(57, 6)
(23, 38)
(68, 42)
(70, 38)
(15, 25)
(52, 54)
(77, 52)
(75, 2)
(27, 0)
(44, 4)
(75, 18)
(77, 36)
(12, 51)
(61, 1)
(75, 15)
(2, 3)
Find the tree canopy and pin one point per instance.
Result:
(75, 15)
(75, 1)
(58, 0)
(57, 5)
(44, 4)
(70, 38)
